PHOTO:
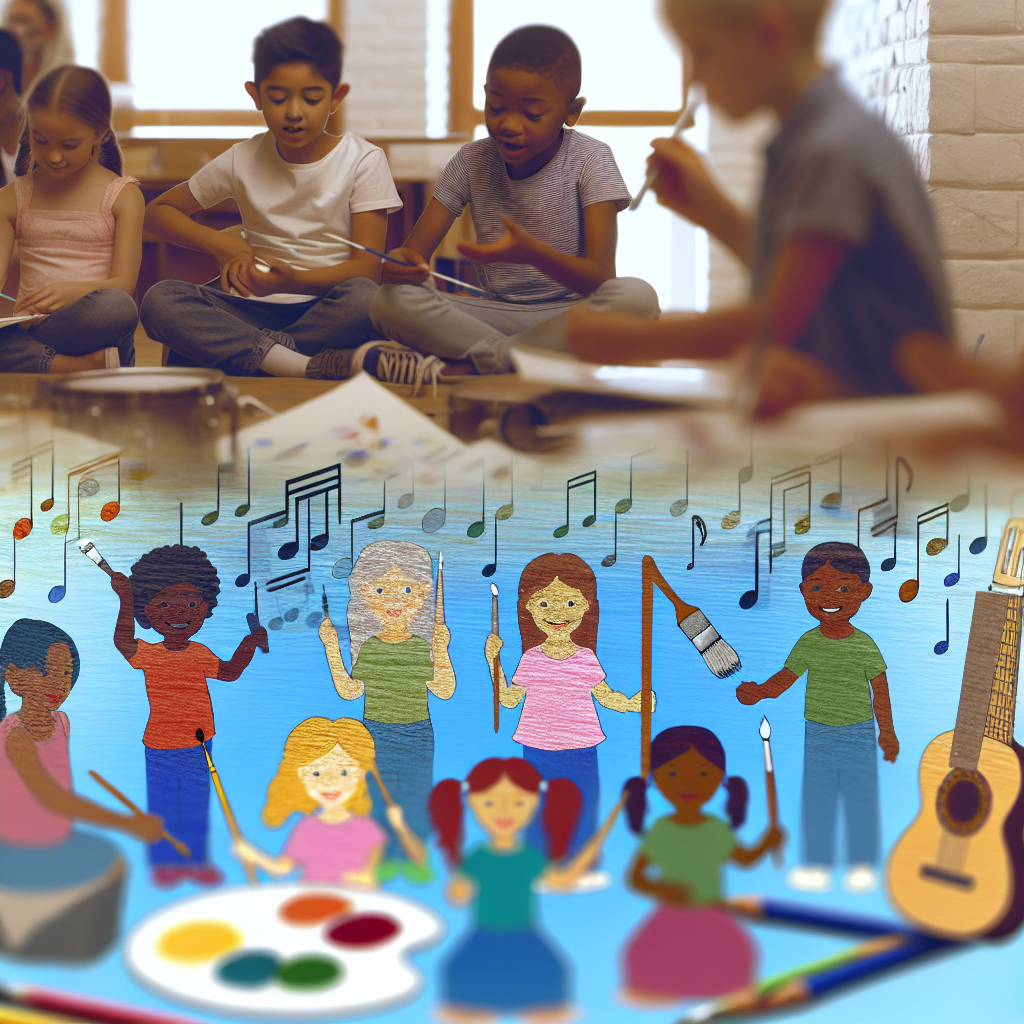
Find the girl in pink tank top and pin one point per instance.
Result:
(78, 223)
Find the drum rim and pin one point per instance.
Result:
(205, 379)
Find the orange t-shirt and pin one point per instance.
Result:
(179, 699)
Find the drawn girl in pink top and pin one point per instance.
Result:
(324, 770)
(560, 676)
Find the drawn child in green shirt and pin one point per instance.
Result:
(847, 690)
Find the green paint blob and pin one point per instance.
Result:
(309, 971)
(249, 969)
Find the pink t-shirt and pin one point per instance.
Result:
(559, 712)
(24, 821)
(325, 852)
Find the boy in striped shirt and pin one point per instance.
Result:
(544, 201)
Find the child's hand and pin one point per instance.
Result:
(442, 637)
(395, 273)
(459, 891)
(889, 744)
(147, 827)
(492, 647)
(50, 297)
(242, 850)
(328, 634)
(774, 838)
(748, 693)
(236, 263)
(122, 586)
(360, 879)
(267, 276)
(517, 245)
(634, 703)
(258, 637)
(396, 816)
(682, 182)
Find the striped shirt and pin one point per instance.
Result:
(548, 204)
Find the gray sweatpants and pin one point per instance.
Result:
(214, 328)
(486, 330)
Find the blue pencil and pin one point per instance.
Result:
(762, 908)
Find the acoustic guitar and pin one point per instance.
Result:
(958, 869)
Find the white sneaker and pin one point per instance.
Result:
(860, 878)
(111, 359)
(810, 878)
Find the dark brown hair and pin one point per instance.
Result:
(83, 94)
(573, 572)
(298, 40)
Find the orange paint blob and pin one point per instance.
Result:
(109, 511)
(197, 942)
(312, 909)
(22, 528)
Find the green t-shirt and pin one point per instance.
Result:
(691, 854)
(839, 674)
(395, 677)
(504, 886)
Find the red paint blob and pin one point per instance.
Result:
(363, 930)
(313, 908)
(22, 528)
(109, 511)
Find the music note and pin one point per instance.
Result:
(289, 579)
(732, 519)
(696, 523)
(622, 506)
(909, 589)
(243, 579)
(889, 522)
(321, 540)
(834, 499)
(588, 479)
(680, 505)
(749, 599)
(980, 543)
(477, 528)
(943, 645)
(961, 501)
(797, 480)
(343, 566)
(47, 503)
(211, 517)
(61, 524)
(243, 509)
(58, 593)
(303, 489)
(7, 586)
(506, 511)
(23, 527)
(407, 499)
(433, 519)
(954, 577)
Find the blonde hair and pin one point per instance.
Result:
(807, 14)
(307, 742)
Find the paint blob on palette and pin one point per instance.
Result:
(287, 952)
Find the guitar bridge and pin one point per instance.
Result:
(965, 882)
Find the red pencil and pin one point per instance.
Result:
(93, 1011)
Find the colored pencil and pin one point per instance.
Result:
(778, 911)
(79, 1008)
(751, 997)
(118, 795)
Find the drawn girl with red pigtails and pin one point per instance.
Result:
(497, 876)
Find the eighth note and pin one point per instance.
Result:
(943, 645)
(433, 519)
(680, 505)
(910, 588)
(732, 519)
(211, 517)
(954, 577)
(588, 479)
(696, 523)
(980, 543)
(749, 599)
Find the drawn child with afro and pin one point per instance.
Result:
(847, 690)
(173, 590)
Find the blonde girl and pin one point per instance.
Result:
(322, 775)
(399, 643)
(77, 220)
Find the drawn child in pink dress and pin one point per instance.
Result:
(560, 676)
(322, 775)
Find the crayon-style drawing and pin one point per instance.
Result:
(847, 690)
(506, 965)
(559, 676)
(689, 947)
(173, 591)
(323, 775)
(60, 887)
(399, 646)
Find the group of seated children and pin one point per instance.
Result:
(843, 250)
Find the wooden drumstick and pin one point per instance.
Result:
(184, 850)
(383, 789)
(229, 815)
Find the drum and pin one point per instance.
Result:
(152, 412)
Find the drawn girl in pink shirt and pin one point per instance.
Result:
(560, 676)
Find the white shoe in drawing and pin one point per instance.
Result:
(860, 878)
(810, 878)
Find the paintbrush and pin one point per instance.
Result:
(697, 97)
(80, 1008)
(181, 847)
(225, 806)
(717, 654)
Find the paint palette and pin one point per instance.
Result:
(287, 951)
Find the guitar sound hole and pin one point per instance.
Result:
(963, 801)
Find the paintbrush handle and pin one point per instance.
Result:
(388, 799)
(181, 847)
(229, 815)
(773, 812)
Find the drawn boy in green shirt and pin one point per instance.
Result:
(846, 691)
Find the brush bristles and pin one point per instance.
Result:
(721, 659)
(717, 654)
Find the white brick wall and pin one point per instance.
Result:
(948, 76)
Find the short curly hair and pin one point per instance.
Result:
(163, 567)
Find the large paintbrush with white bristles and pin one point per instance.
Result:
(717, 654)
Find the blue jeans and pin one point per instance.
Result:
(579, 766)
(405, 760)
(105, 318)
(840, 761)
(178, 789)
(211, 327)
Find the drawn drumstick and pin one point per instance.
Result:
(496, 665)
(184, 850)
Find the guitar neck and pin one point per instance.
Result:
(1000, 719)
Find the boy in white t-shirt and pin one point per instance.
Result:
(293, 297)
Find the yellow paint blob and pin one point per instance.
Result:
(196, 942)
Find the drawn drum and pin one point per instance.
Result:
(152, 412)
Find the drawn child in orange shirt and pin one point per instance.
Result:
(173, 590)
